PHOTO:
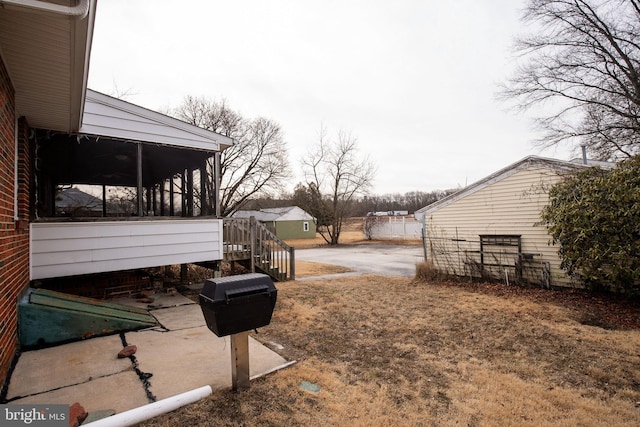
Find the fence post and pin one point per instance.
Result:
(404, 229)
(252, 244)
(292, 262)
(424, 236)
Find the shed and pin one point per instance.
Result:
(490, 227)
(289, 222)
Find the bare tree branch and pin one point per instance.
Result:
(583, 65)
(255, 165)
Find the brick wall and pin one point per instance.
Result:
(14, 234)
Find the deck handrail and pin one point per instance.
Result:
(248, 239)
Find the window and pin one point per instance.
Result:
(305, 226)
(499, 250)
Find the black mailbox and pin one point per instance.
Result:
(239, 303)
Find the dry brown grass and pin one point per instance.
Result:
(346, 238)
(390, 351)
(307, 268)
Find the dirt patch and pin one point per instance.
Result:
(390, 351)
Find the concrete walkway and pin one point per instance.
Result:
(179, 355)
(385, 260)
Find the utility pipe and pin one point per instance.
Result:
(146, 412)
(79, 11)
(16, 179)
(584, 154)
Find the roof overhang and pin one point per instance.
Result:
(45, 46)
(105, 116)
(104, 150)
(555, 165)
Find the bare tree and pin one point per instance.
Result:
(257, 162)
(335, 176)
(584, 57)
(215, 116)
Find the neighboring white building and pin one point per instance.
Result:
(392, 228)
(489, 228)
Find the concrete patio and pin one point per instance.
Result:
(179, 355)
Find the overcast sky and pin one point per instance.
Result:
(414, 81)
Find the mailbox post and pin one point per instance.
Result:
(240, 361)
(234, 305)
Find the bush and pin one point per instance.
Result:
(594, 215)
(426, 271)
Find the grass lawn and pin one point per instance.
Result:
(390, 351)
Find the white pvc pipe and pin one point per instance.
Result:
(146, 412)
(80, 10)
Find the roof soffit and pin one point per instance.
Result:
(47, 57)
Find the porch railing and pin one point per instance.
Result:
(250, 242)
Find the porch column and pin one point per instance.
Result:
(204, 201)
(139, 188)
(148, 191)
(191, 202)
(154, 207)
(183, 193)
(104, 200)
(162, 198)
(216, 183)
(172, 211)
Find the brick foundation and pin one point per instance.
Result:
(104, 285)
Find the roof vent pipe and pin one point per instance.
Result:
(79, 11)
(584, 154)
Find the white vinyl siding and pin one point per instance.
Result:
(510, 206)
(109, 117)
(73, 248)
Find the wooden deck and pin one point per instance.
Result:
(250, 243)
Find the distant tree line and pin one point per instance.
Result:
(410, 201)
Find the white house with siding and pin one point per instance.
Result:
(159, 159)
(489, 228)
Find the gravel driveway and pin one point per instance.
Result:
(386, 260)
